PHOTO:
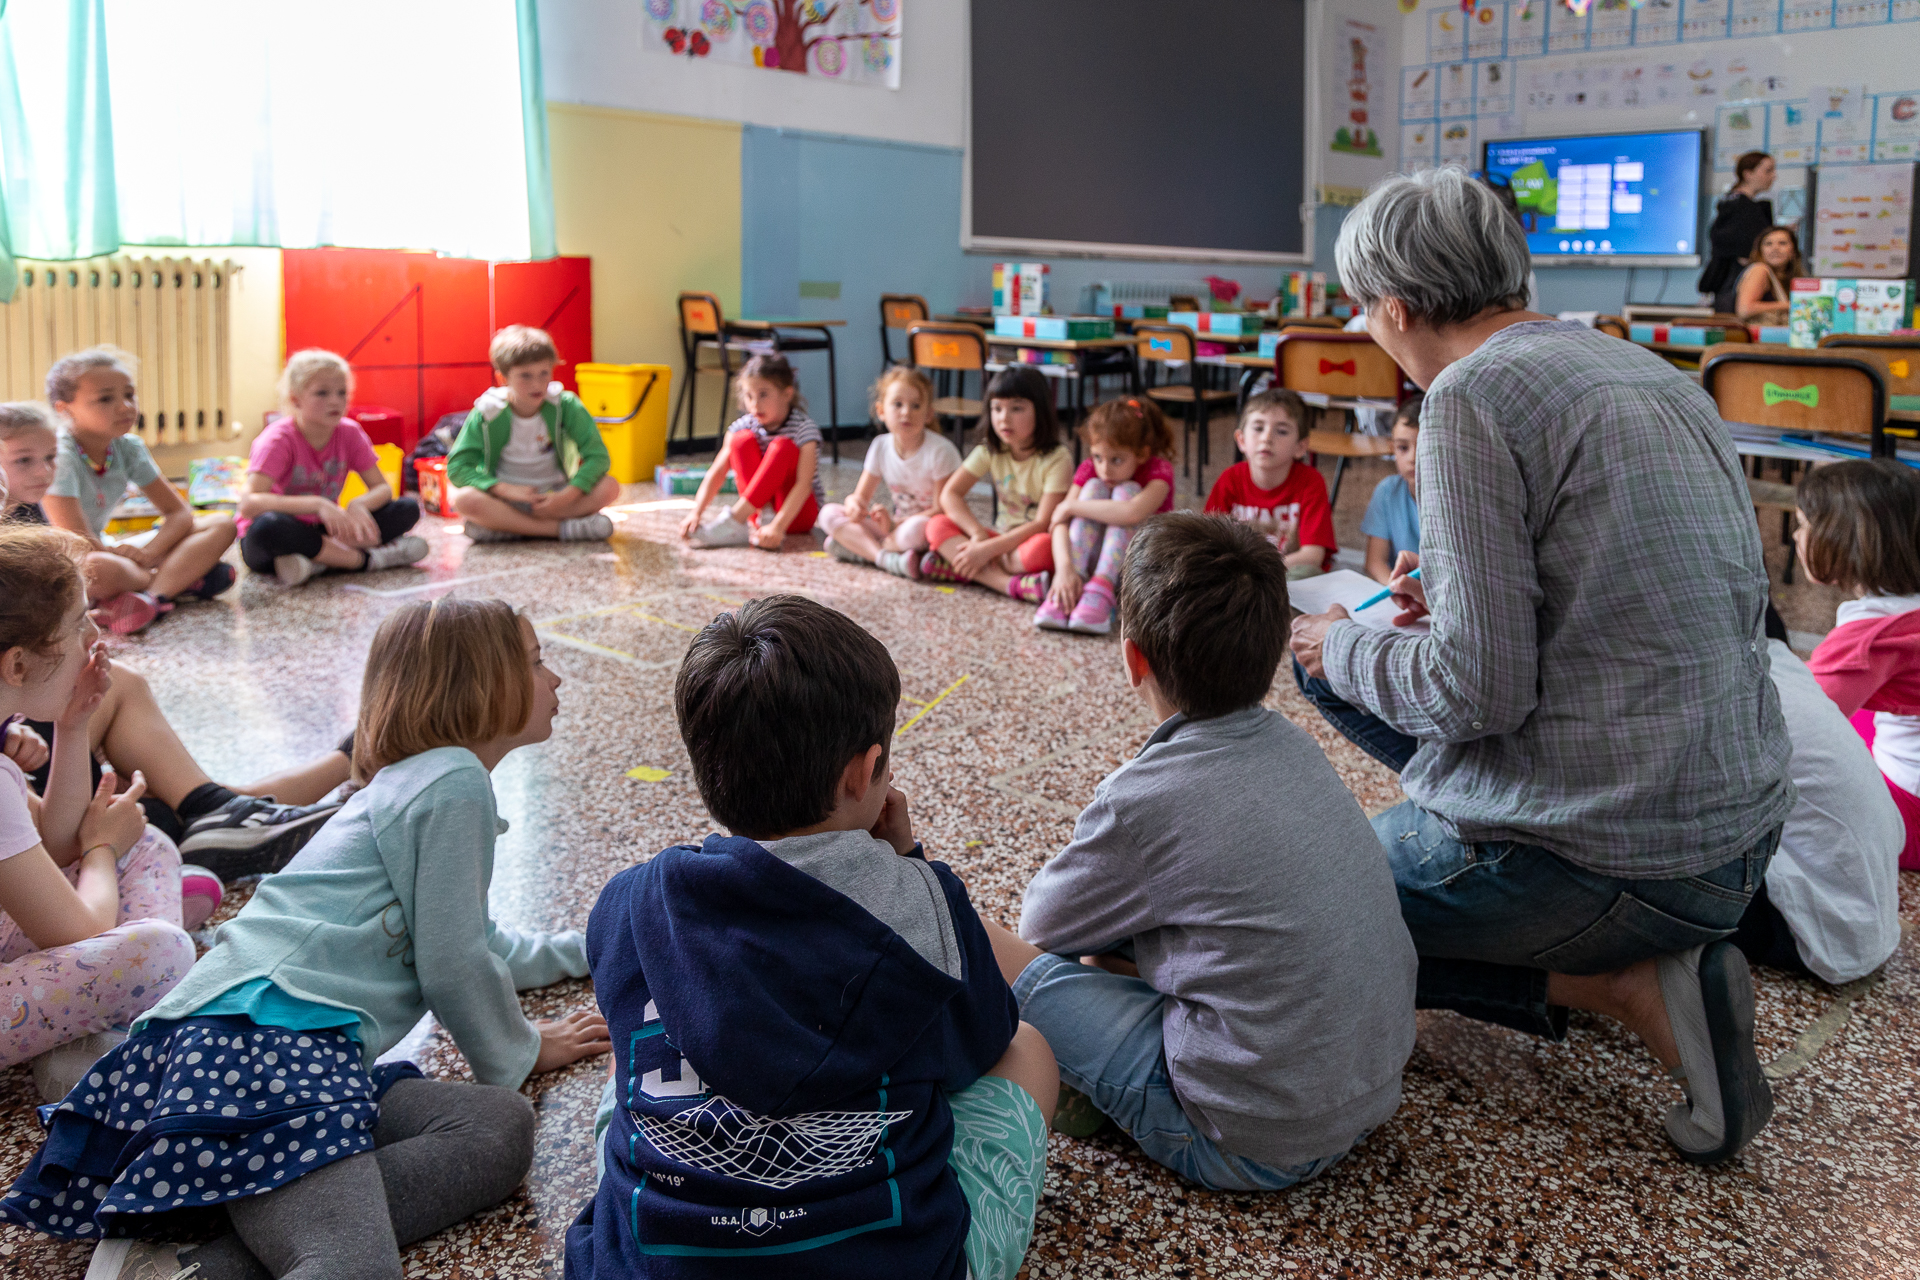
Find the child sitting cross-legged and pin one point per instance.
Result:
(773, 451)
(818, 1067)
(252, 1087)
(913, 461)
(530, 461)
(1273, 489)
(1392, 521)
(1125, 479)
(1247, 1006)
(291, 522)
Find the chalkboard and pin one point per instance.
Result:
(1137, 127)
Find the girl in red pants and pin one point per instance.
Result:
(773, 451)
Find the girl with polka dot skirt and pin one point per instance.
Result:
(90, 936)
(252, 1091)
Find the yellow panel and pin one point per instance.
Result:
(654, 200)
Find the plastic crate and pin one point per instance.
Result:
(436, 494)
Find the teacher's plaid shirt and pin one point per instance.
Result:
(1596, 679)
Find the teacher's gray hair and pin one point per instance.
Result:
(1440, 242)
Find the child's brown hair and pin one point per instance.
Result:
(902, 373)
(1022, 382)
(1409, 411)
(441, 673)
(519, 344)
(17, 416)
(39, 585)
(1288, 402)
(63, 379)
(771, 366)
(1863, 525)
(1137, 426)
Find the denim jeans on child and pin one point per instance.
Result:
(1492, 920)
(1105, 1031)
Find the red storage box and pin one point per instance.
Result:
(383, 426)
(436, 495)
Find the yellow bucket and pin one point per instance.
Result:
(390, 457)
(630, 402)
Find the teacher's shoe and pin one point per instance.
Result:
(1709, 996)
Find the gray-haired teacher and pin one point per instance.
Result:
(1594, 754)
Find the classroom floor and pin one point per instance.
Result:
(1510, 1156)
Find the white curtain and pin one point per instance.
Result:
(376, 123)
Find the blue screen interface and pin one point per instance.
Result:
(1624, 193)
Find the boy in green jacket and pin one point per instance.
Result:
(530, 462)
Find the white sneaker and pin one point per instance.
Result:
(296, 569)
(593, 528)
(481, 533)
(401, 551)
(56, 1071)
(724, 532)
(125, 1259)
(840, 551)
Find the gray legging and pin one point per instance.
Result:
(443, 1152)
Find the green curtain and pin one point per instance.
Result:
(57, 195)
(533, 118)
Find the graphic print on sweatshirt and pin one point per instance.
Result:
(719, 1137)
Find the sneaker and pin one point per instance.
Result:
(593, 528)
(904, 564)
(56, 1071)
(292, 570)
(126, 613)
(1050, 616)
(724, 532)
(397, 554)
(212, 582)
(935, 567)
(480, 533)
(251, 836)
(841, 552)
(200, 895)
(1094, 614)
(125, 1259)
(1030, 587)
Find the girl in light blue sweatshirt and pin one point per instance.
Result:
(252, 1087)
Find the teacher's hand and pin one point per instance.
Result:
(1309, 633)
(1408, 592)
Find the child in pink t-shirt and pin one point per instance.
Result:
(1126, 478)
(291, 522)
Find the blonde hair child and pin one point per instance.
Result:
(292, 524)
(379, 921)
(773, 451)
(1125, 479)
(914, 461)
(29, 455)
(130, 585)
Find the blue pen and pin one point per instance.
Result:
(1382, 596)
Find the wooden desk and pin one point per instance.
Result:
(783, 322)
(1082, 349)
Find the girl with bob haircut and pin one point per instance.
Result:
(1127, 477)
(1858, 529)
(258, 1068)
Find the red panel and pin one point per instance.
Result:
(556, 296)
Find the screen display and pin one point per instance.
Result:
(1608, 195)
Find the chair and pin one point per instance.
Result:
(898, 311)
(1340, 366)
(1896, 357)
(703, 325)
(1173, 344)
(1183, 302)
(958, 349)
(1797, 390)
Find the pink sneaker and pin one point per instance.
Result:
(934, 567)
(1030, 587)
(1050, 616)
(1094, 614)
(200, 895)
(126, 613)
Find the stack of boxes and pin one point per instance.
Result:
(1019, 288)
(1826, 304)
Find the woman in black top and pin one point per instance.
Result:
(1737, 222)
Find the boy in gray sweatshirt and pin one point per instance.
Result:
(1272, 1011)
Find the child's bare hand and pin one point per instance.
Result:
(691, 525)
(112, 819)
(89, 689)
(972, 558)
(895, 827)
(882, 517)
(1066, 589)
(544, 505)
(769, 538)
(580, 1034)
(25, 748)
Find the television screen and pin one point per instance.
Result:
(1621, 198)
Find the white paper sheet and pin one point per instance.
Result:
(1348, 589)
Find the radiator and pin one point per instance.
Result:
(170, 314)
(1108, 293)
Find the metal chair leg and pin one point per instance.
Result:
(833, 397)
(1339, 471)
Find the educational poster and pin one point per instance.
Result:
(1419, 93)
(1419, 144)
(1457, 144)
(1566, 30)
(1456, 89)
(1789, 195)
(1611, 25)
(1703, 19)
(851, 41)
(1806, 15)
(1738, 127)
(1487, 30)
(1860, 13)
(1896, 130)
(1527, 29)
(1845, 126)
(1790, 134)
(1357, 53)
(1905, 10)
(1754, 18)
(1446, 34)
(1658, 22)
(1860, 226)
(1493, 90)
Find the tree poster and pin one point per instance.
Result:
(1357, 92)
(850, 41)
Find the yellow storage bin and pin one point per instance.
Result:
(630, 403)
(390, 458)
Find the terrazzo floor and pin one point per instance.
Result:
(1509, 1156)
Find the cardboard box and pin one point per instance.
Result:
(1133, 311)
(1052, 328)
(1019, 288)
(684, 482)
(1269, 343)
(1303, 293)
(1778, 334)
(1239, 323)
(1676, 335)
(1830, 304)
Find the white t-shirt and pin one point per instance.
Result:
(914, 482)
(528, 458)
(17, 833)
(1836, 875)
(1896, 738)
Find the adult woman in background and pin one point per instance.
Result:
(1761, 296)
(1738, 220)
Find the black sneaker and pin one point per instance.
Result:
(212, 582)
(250, 836)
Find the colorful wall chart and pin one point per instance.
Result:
(849, 41)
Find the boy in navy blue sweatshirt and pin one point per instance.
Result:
(819, 1069)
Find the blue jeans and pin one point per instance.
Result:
(1105, 1030)
(1492, 920)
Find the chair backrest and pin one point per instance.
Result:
(1612, 325)
(700, 313)
(1906, 341)
(1336, 364)
(1153, 340)
(1183, 302)
(1312, 322)
(1898, 366)
(898, 310)
(947, 346)
(1796, 390)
